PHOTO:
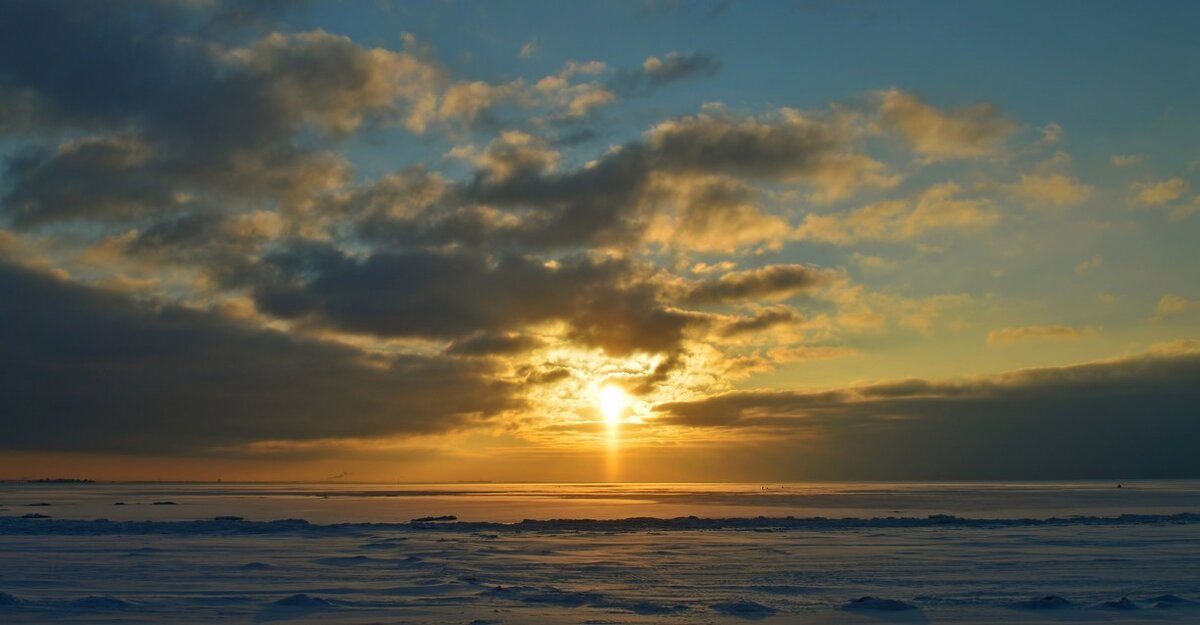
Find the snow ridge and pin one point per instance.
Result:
(26, 526)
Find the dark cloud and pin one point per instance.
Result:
(759, 321)
(89, 178)
(545, 375)
(187, 230)
(529, 210)
(121, 64)
(628, 320)
(575, 137)
(223, 247)
(586, 205)
(87, 370)
(784, 148)
(417, 208)
(647, 383)
(75, 61)
(494, 345)
(1132, 417)
(607, 202)
(172, 115)
(656, 72)
(456, 294)
(769, 281)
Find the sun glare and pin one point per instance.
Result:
(613, 402)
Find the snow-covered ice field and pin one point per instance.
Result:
(768, 553)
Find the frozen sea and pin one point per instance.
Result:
(1032, 552)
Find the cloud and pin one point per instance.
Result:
(788, 146)
(1147, 194)
(1170, 305)
(706, 268)
(1050, 189)
(513, 153)
(528, 50)
(574, 100)
(874, 264)
(935, 209)
(1008, 336)
(494, 344)
(207, 241)
(676, 66)
(1051, 134)
(1087, 420)
(711, 213)
(967, 132)
(1089, 264)
(771, 282)
(463, 102)
(212, 117)
(656, 72)
(802, 353)
(88, 370)
(683, 184)
(107, 179)
(761, 320)
(154, 139)
(457, 294)
(1126, 160)
(48, 59)
(841, 176)
(328, 80)
(554, 209)
(1186, 210)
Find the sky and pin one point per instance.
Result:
(599, 241)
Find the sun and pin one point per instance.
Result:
(613, 401)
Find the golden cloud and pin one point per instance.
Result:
(935, 134)
(1008, 336)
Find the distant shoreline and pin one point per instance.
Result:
(1088, 480)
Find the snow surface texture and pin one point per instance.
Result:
(1137, 568)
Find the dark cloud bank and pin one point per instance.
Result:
(86, 370)
(1132, 417)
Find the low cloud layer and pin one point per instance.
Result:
(1129, 417)
(87, 370)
